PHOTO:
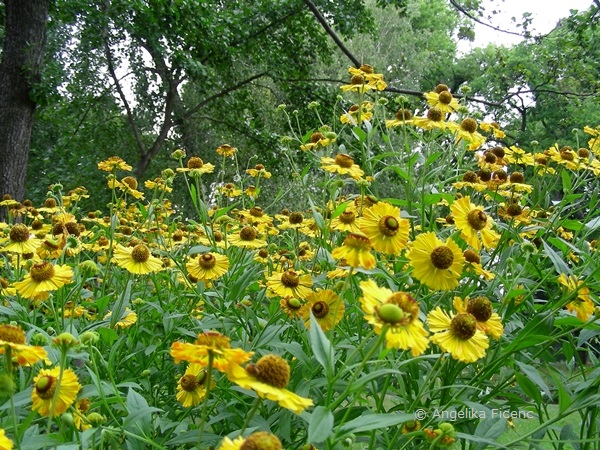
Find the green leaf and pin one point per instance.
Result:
(535, 377)
(359, 134)
(320, 426)
(140, 413)
(557, 260)
(529, 388)
(432, 199)
(564, 396)
(320, 346)
(490, 429)
(566, 181)
(108, 335)
(368, 422)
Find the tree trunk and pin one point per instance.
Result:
(20, 69)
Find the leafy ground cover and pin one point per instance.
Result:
(438, 290)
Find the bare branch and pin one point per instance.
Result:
(331, 33)
(472, 17)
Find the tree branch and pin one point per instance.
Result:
(472, 17)
(331, 33)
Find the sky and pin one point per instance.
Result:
(545, 15)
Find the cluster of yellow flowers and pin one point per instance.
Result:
(389, 258)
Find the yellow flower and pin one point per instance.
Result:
(516, 155)
(474, 224)
(195, 165)
(13, 337)
(433, 119)
(226, 150)
(403, 117)
(363, 79)
(458, 335)
(246, 237)
(481, 308)
(467, 130)
(208, 266)
(51, 398)
(356, 251)
(257, 440)
(582, 305)
(259, 171)
(230, 190)
(316, 141)
(43, 277)
(442, 99)
(210, 344)
(191, 387)
(5, 443)
(387, 232)
(436, 264)
(356, 115)
(347, 220)
(289, 284)
(473, 262)
(268, 378)
(326, 307)
(113, 163)
(342, 164)
(397, 313)
(137, 260)
(20, 240)
(127, 319)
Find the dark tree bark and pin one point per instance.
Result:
(20, 69)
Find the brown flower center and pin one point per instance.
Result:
(320, 309)
(295, 218)
(195, 163)
(470, 177)
(140, 253)
(212, 339)
(357, 79)
(348, 217)
(45, 387)
(463, 326)
(272, 370)
(19, 233)
(469, 125)
(41, 272)
(477, 219)
(517, 177)
(403, 114)
(261, 440)
(248, 234)
(514, 210)
(316, 137)
(441, 88)
(11, 333)
(499, 152)
(357, 241)
(343, 160)
(290, 279)
(481, 308)
(130, 182)
(388, 226)
(435, 114)
(471, 256)
(442, 257)
(256, 211)
(445, 97)
(50, 203)
(189, 383)
(207, 261)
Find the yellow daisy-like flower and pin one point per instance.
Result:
(51, 398)
(342, 164)
(317, 141)
(433, 119)
(43, 277)
(137, 260)
(516, 155)
(80, 421)
(480, 307)
(20, 240)
(347, 220)
(196, 166)
(473, 263)
(259, 171)
(457, 334)
(356, 251)
(356, 115)
(127, 319)
(494, 128)
(289, 284)
(364, 79)
(268, 378)
(402, 117)
(582, 305)
(326, 307)
(210, 344)
(230, 190)
(257, 440)
(246, 237)
(397, 313)
(13, 337)
(474, 224)
(387, 232)
(442, 99)
(113, 163)
(191, 387)
(226, 150)
(436, 264)
(467, 131)
(208, 266)
(5, 442)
